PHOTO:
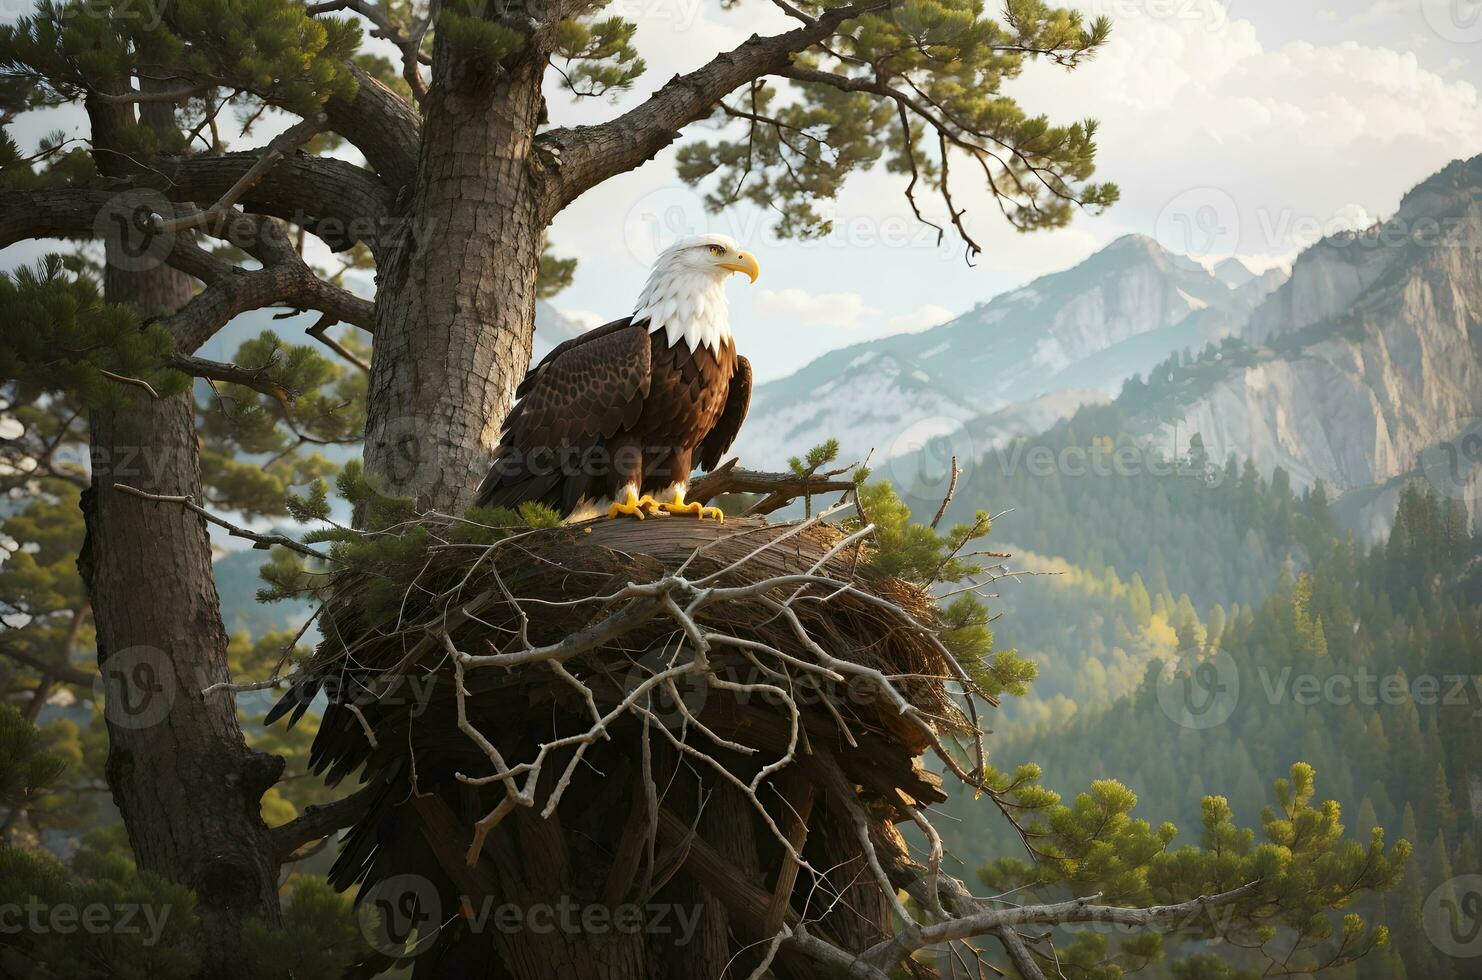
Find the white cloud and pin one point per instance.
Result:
(1208, 129)
(922, 318)
(1382, 10)
(819, 309)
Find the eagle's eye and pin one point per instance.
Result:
(717, 250)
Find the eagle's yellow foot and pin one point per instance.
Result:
(634, 506)
(678, 506)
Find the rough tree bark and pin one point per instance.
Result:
(184, 780)
(455, 302)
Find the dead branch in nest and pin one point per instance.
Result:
(779, 489)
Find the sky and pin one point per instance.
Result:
(1247, 127)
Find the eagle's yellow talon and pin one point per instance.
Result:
(634, 506)
(679, 506)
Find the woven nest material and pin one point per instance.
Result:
(395, 700)
(478, 595)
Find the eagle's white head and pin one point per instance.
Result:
(685, 294)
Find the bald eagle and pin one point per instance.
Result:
(612, 420)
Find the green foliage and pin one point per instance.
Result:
(916, 552)
(26, 767)
(390, 540)
(1218, 534)
(271, 48)
(820, 455)
(912, 84)
(600, 56)
(253, 441)
(1400, 613)
(100, 918)
(463, 25)
(555, 274)
(318, 938)
(1304, 868)
(62, 336)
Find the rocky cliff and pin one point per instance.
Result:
(1368, 359)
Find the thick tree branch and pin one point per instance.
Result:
(258, 379)
(284, 280)
(321, 820)
(381, 125)
(287, 141)
(337, 201)
(588, 155)
(290, 284)
(64, 212)
(780, 488)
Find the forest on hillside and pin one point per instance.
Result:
(1361, 662)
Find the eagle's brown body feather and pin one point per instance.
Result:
(617, 406)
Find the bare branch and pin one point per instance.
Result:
(180, 94)
(258, 378)
(951, 492)
(780, 488)
(319, 332)
(189, 503)
(136, 382)
(320, 820)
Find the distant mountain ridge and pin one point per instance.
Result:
(1367, 357)
(1065, 339)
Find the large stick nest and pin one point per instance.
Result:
(547, 660)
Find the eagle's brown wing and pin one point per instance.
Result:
(590, 386)
(585, 390)
(731, 417)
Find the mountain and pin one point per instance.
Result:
(1233, 272)
(1366, 360)
(1065, 339)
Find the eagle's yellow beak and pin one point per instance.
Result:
(745, 262)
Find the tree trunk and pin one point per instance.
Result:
(455, 310)
(187, 785)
